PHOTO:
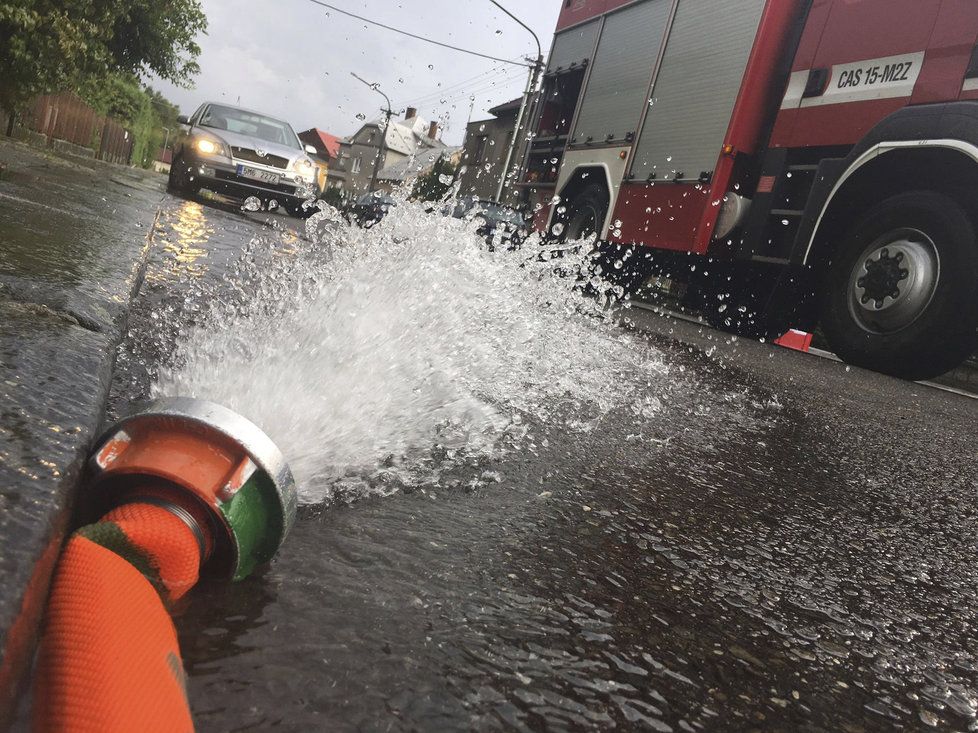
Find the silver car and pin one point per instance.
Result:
(243, 154)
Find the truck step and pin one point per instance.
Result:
(787, 212)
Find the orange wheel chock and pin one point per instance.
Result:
(182, 489)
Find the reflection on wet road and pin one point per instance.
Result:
(778, 544)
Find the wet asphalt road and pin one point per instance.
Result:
(787, 544)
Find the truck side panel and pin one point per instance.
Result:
(873, 53)
(954, 38)
(681, 215)
(611, 106)
(577, 11)
(696, 88)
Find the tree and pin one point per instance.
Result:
(51, 45)
(434, 184)
(143, 111)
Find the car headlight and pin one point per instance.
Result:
(305, 168)
(211, 146)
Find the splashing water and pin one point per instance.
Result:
(379, 358)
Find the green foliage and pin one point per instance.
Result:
(431, 186)
(143, 111)
(54, 45)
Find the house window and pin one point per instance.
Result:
(481, 148)
(357, 163)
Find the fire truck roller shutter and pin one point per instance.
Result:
(620, 72)
(696, 88)
(573, 46)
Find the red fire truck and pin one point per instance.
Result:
(796, 162)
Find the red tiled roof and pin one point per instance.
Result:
(322, 141)
(330, 142)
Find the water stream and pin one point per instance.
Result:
(378, 358)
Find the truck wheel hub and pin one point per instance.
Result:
(894, 281)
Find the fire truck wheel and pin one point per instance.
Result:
(900, 295)
(586, 214)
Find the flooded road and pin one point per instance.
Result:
(680, 537)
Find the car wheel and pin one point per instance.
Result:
(900, 294)
(178, 181)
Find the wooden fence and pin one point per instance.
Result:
(67, 117)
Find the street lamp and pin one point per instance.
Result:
(383, 140)
(166, 141)
(531, 84)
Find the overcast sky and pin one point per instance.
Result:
(293, 59)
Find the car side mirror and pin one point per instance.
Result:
(183, 120)
(310, 149)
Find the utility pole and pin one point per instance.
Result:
(531, 86)
(383, 138)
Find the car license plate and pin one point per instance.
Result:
(257, 175)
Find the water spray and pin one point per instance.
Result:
(181, 490)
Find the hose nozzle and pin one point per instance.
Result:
(211, 467)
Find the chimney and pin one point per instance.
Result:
(433, 130)
(410, 113)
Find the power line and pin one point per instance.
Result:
(485, 86)
(478, 91)
(503, 77)
(494, 71)
(417, 37)
(463, 86)
(440, 93)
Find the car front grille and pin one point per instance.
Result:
(251, 156)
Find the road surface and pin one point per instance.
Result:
(783, 542)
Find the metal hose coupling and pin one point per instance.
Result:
(215, 470)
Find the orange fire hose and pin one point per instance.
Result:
(184, 488)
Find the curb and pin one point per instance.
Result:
(57, 381)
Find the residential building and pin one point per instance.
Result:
(406, 138)
(405, 171)
(484, 151)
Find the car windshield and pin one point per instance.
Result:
(251, 124)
